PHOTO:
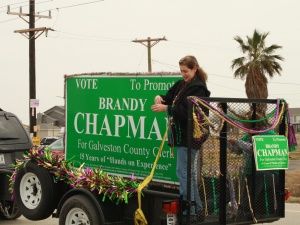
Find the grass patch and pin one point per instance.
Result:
(295, 155)
(293, 200)
(292, 178)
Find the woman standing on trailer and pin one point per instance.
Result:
(175, 103)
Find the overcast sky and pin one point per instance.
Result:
(96, 36)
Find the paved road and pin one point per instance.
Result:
(292, 215)
(23, 221)
(294, 165)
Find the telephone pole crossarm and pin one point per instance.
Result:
(21, 14)
(149, 45)
(150, 39)
(37, 32)
(156, 40)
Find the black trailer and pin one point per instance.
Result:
(230, 194)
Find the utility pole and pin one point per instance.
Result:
(32, 83)
(32, 33)
(150, 43)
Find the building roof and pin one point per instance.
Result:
(56, 108)
(47, 126)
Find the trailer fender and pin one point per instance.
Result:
(73, 192)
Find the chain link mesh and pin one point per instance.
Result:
(250, 195)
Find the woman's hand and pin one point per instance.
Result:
(158, 108)
(158, 99)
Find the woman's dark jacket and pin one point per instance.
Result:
(179, 110)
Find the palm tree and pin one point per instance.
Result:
(259, 61)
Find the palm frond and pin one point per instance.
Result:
(268, 68)
(278, 57)
(276, 66)
(238, 62)
(241, 72)
(242, 46)
(263, 37)
(271, 49)
(256, 41)
(270, 65)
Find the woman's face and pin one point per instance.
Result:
(187, 73)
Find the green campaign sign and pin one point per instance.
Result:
(271, 152)
(110, 125)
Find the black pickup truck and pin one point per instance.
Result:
(14, 142)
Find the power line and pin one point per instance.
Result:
(268, 82)
(283, 83)
(70, 6)
(287, 94)
(192, 45)
(13, 4)
(82, 39)
(276, 95)
(227, 77)
(4, 21)
(167, 65)
(24, 5)
(87, 37)
(56, 18)
(225, 87)
(64, 7)
(141, 59)
(238, 90)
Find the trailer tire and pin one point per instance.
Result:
(80, 209)
(35, 192)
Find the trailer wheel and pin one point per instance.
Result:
(35, 191)
(79, 210)
(9, 210)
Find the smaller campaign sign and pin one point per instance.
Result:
(34, 103)
(271, 152)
